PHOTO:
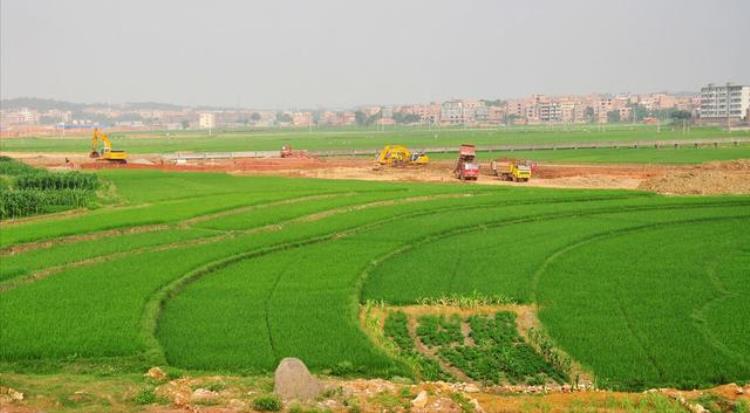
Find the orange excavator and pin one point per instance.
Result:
(101, 149)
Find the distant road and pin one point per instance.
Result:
(674, 143)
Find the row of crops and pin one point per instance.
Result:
(29, 191)
(493, 352)
(222, 273)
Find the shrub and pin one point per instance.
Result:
(145, 396)
(268, 403)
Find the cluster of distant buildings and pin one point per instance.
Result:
(722, 104)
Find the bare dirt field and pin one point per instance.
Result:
(730, 177)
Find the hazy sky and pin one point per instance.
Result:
(336, 53)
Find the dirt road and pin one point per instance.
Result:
(731, 177)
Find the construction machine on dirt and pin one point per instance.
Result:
(399, 155)
(512, 169)
(467, 169)
(288, 152)
(101, 149)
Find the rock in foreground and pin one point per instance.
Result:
(293, 381)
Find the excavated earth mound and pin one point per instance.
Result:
(712, 178)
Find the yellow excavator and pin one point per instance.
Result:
(105, 153)
(399, 155)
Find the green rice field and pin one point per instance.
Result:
(321, 139)
(221, 273)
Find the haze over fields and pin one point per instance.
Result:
(339, 53)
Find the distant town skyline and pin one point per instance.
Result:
(694, 92)
(341, 54)
(714, 104)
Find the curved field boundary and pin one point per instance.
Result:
(159, 300)
(519, 220)
(701, 323)
(560, 252)
(156, 303)
(102, 215)
(616, 233)
(491, 202)
(93, 235)
(70, 239)
(236, 211)
(621, 309)
(50, 271)
(358, 299)
(154, 306)
(50, 216)
(223, 234)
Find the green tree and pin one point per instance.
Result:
(317, 116)
(496, 102)
(405, 118)
(374, 118)
(589, 113)
(613, 116)
(639, 112)
(360, 118)
(255, 116)
(680, 115)
(283, 117)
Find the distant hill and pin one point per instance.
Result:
(40, 104)
(48, 104)
(150, 105)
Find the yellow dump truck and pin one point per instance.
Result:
(511, 169)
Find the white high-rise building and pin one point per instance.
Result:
(207, 120)
(727, 101)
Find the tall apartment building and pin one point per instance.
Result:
(428, 113)
(550, 111)
(207, 120)
(722, 102)
(452, 112)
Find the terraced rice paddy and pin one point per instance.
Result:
(221, 273)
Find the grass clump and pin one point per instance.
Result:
(463, 403)
(268, 403)
(145, 396)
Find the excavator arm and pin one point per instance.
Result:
(106, 153)
(95, 139)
